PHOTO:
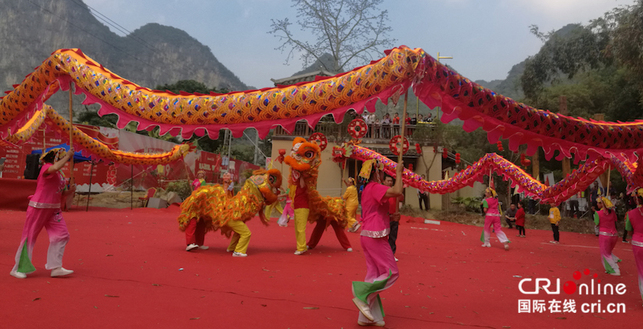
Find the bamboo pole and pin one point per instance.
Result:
(607, 191)
(400, 146)
(89, 194)
(131, 188)
(417, 108)
(71, 141)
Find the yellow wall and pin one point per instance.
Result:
(329, 181)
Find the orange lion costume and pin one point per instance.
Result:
(209, 208)
(304, 161)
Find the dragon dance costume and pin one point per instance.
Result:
(605, 219)
(44, 211)
(381, 268)
(634, 222)
(492, 219)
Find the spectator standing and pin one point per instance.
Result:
(520, 220)
(554, 219)
(386, 126)
(396, 124)
(423, 197)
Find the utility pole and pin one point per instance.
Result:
(256, 146)
(439, 58)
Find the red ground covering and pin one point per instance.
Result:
(128, 275)
(15, 193)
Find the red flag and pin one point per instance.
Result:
(546, 181)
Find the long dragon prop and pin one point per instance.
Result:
(575, 182)
(49, 118)
(389, 77)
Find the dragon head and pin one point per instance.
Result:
(303, 157)
(268, 182)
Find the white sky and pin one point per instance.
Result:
(485, 37)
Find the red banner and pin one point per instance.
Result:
(107, 176)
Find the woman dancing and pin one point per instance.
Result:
(605, 219)
(44, 211)
(350, 196)
(492, 212)
(634, 222)
(381, 268)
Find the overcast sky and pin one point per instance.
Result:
(485, 37)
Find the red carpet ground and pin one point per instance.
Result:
(132, 271)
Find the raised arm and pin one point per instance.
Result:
(396, 190)
(60, 163)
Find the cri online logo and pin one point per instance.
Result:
(570, 287)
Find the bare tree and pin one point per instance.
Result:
(351, 31)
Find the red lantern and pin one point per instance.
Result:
(418, 148)
(445, 153)
(410, 166)
(282, 152)
(500, 149)
(435, 149)
(280, 159)
(457, 158)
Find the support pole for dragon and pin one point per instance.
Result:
(71, 131)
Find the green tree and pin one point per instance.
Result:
(597, 67)
(91, 117)
(190, 86)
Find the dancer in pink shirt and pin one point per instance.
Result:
(634, 222)
(605, 219)
(492, 216)
(381, 268)
(44, 211)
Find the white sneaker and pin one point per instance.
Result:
(506, 246)
(191, 246)
(487, 245)
(374, 324)
(18, 275)
(204, 247)
(238, 254)
(349, 249)
(363, 308)
(397, 260)
(60, 271)
(300, 252)
(228, 250)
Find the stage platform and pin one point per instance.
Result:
(132, 271)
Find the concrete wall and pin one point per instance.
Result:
(432, 162)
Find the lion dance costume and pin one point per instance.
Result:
(304, 161)
(210, 207)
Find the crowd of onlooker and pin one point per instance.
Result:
(388, 126)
